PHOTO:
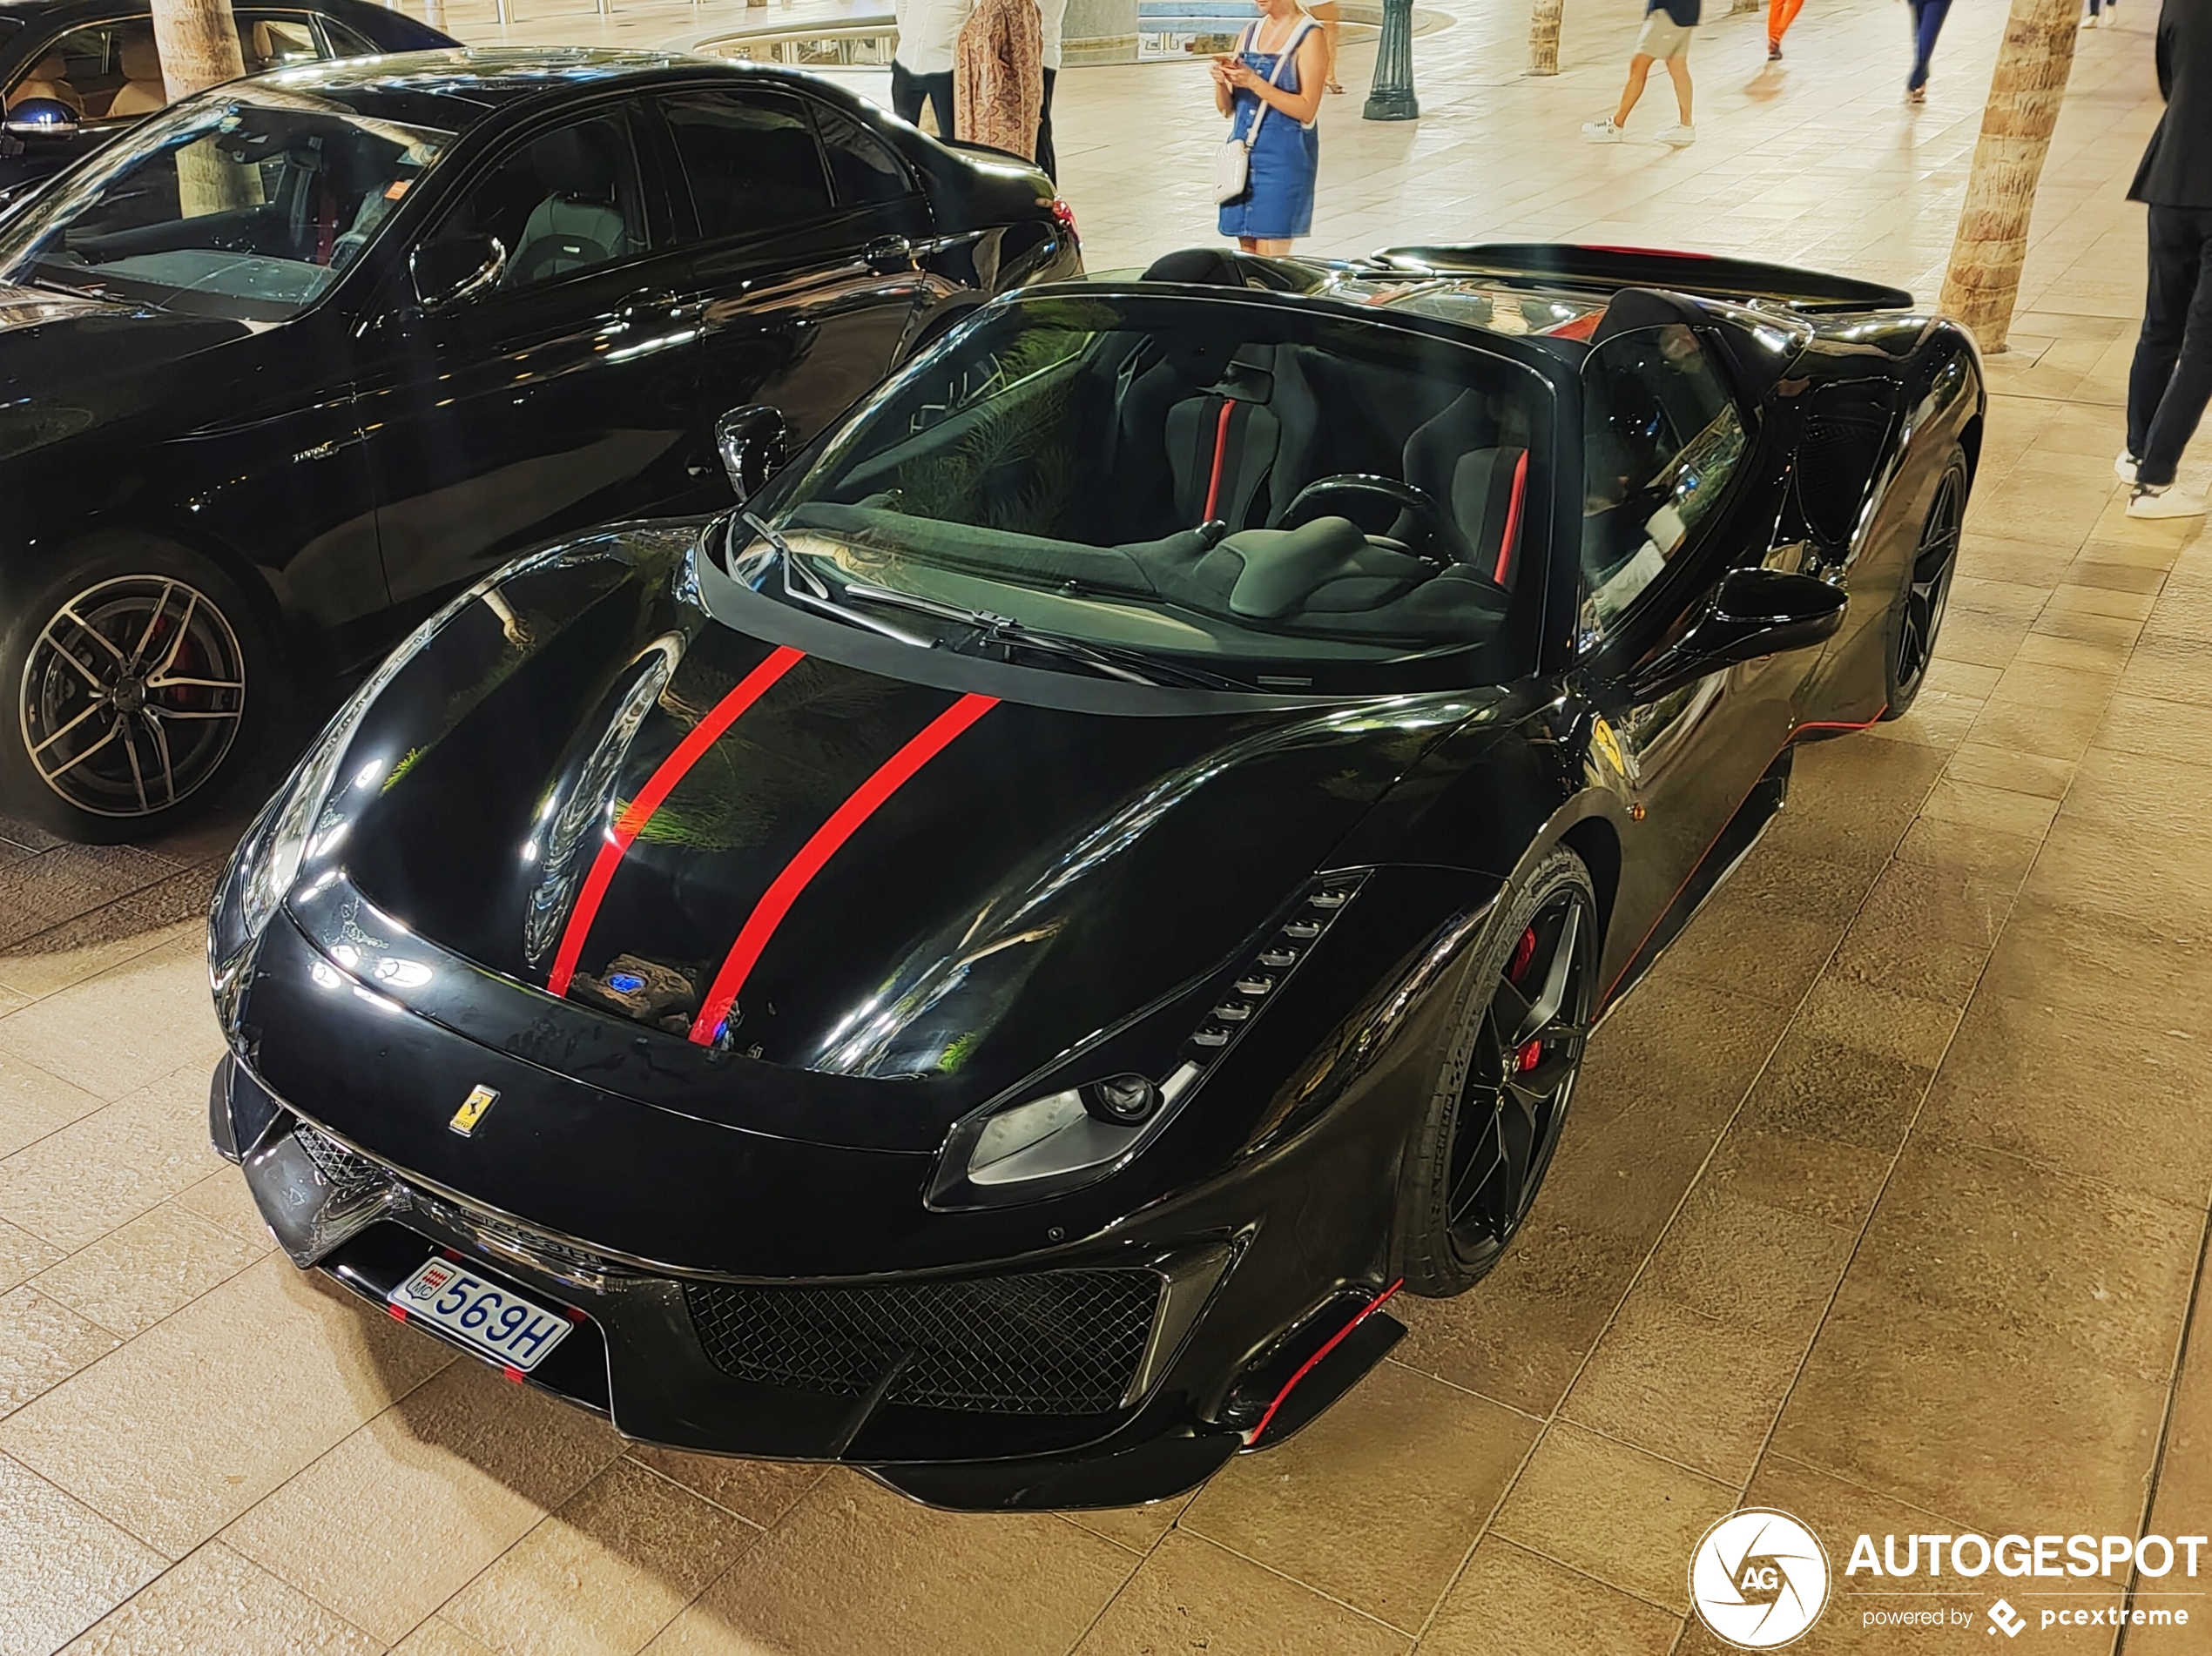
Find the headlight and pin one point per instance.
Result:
(1045, 1146)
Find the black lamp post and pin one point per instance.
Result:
(1391, 98)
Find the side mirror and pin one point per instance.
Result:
(41, 118)
(447, 271)
(753, 442)
(1756, 613)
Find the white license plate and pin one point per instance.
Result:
(495, 1321)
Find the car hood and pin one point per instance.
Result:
(70, 361)
(902, 862)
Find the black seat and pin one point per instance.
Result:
(1461, 460)
(580, 221)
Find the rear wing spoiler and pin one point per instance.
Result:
(1695, 274)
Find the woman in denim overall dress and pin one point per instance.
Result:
(1277, 203)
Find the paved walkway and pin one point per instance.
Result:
(1883, 1202)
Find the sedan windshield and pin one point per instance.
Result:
(1261, 493)
(240, 207)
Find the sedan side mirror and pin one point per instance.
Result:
(753, 441)
(41, 118)
(1756, 613)
(447, 271)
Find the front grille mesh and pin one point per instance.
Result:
(344, 1172)
(1054, 1342)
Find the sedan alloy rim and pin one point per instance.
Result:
(1525, 1057)
(1929, 589)
(131, 696)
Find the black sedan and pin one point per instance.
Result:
(992, 962)
(75, 73)
(283, 367)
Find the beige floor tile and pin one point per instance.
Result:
(1893, 951)
(1191, 1595)
(438, 1637)
(42, 1343)
(2003, 809)
(134, 1276)
(606, 1572)
(34, 1103)
(855, 1570)
(2014, 1082)
(1958, 1336)
(223, 1197)
(1979, 764)
(104, 938)
(405, 1511)
(22, 1256)
(76, 1035)
(216, 1604)
(1376, 1503)
(1629, 1518)
(762, 1490)
(1513, 1602)
(278, 1365)
(2149, 974)
(1851, 1013)
(2088, 865)
(74, 1186)
(65, 1566)
(1970, 848)
(2062, 733)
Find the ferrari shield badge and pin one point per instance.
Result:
(480, 1098)
(1607, 746)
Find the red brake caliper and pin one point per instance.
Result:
(1523, 952)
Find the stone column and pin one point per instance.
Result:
(1099, 31)
(1544, 37)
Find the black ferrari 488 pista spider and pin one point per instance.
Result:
(993, 960)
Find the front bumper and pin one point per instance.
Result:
(671, 1362)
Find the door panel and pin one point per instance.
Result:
(560, 396)
(794, 270)
(1664, 443)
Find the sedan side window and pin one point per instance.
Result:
(866, 170)
(750, 159)
(103, 71)
(273, 43)
(1661, 440)
(566, 201)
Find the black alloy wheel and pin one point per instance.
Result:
(1927, 588)
(131, 690)
(1502, 1094)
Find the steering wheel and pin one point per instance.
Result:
(1440, 524)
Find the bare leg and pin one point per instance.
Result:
(1269, 247)
(1330, 18)
(1639, 72)
(1678, 67)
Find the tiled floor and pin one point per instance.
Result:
(1883, 1202)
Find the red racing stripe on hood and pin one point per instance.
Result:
(768, 913)
(671, 771)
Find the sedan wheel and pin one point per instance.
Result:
(1927, 589)
(130, 693)
(1495, 1119)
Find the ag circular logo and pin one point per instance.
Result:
(1759, 1579)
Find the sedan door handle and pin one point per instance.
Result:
(888, 254)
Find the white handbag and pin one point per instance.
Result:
(1233, 163)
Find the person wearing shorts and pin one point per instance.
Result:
(1667, 26)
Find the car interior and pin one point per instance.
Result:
(112, 72)
(565, 201)
(1313, 478)
(271, 206)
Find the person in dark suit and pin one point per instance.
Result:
(2172, 379)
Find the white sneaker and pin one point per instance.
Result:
(1601, 132)
(2123, 466)
(2167, 501)
(1678, 134)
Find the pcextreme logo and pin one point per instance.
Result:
(1759, 1579)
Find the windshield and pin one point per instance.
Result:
(227, 206)
(1279, 498)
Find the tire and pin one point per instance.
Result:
(1479, 1155)
(132, 683)
(1917, 616)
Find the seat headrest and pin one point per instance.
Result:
(577, 162)
(261, 45)
(140, 58)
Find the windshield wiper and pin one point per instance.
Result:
(1004, 630)
(817, 596)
